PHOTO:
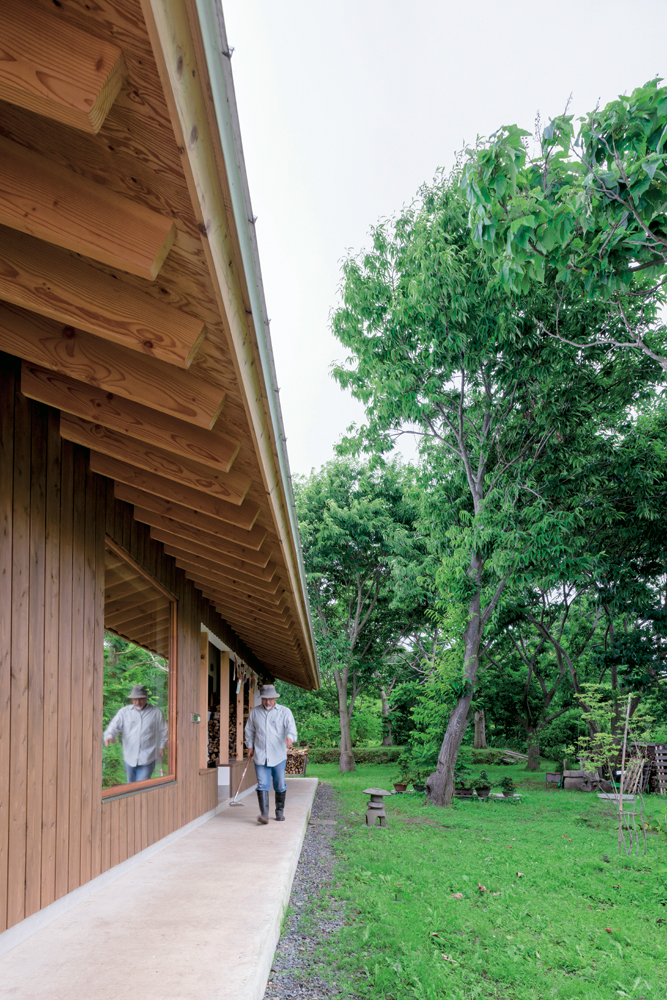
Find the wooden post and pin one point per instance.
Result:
(224, 708)
(203, 699)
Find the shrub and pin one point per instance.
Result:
(362, 755)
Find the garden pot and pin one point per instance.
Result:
(508, 795)
(483, 793)
(400, 786)
(419, 788)
(463, 793)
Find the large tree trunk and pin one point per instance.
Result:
(533, 763)
(386, 718)
(346, 762)
(440, 784)
(480, 730)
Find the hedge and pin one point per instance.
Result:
(362, 755)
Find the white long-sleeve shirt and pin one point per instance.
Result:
(266, 731)
(143, 731)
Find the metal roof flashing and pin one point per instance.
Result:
(218, 56)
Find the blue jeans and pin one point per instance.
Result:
(265, 774)
(141, 772)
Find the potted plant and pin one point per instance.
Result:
(507, 786)
(405, 773)
(462, 782)
(482, 785)
(463, 788)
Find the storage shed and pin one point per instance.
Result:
(148, 532)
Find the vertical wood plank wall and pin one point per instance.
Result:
(56, 831)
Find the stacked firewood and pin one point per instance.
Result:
(297, 759)
(232, 731)
(214, 739)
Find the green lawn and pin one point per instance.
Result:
(571, 925)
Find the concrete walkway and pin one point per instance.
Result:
(198, 921)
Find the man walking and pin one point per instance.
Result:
(143, 733)
(269, 733)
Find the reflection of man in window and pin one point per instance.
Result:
(143, 733)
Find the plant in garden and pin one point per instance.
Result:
(437, 351)
(508, 786)
(587, 211)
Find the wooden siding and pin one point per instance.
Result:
(56, 832)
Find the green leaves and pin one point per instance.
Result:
(591, 205)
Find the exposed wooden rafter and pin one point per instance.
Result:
(163, 514)
(171, 532)
(110, 367)
(232, 578)
(153, 492)
(231, 486)
(51, 282)
(210, 448)
(219, 559)
(56, 69)
(46, 200)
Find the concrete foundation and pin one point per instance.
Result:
(197, 921)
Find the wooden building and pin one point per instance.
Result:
(145, 501)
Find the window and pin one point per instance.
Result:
(139, 676)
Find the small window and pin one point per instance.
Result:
(139, 676)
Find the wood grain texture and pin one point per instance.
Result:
(7, 374)
(43, 199)
(233, 602)
(201, 543)
(114, 369)
(254, 539)
(243, 516)
(20, 611)
(56, 70)
(249, 610)
(53, 283)
(51, 664)
(232, 486)
(218, 560)
(233, 581)
(35, 639)
(66, 561)
(210, 448)
(226, 577)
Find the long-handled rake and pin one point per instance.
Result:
(234, 801)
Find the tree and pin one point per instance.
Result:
(438, 350)
(588, 210)
(362, 557)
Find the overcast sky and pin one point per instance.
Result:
(347, 106)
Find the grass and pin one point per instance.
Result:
(541, 913)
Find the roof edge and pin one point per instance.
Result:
(218, 60)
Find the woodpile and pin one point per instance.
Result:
(214, 739)
(297, 760)
(657, 755)
(232, 731)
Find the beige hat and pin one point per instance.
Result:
(138, 691)
(268, 691)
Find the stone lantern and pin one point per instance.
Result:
(375, 809)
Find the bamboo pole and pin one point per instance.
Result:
(621, 838)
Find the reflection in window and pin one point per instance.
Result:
(138, 637)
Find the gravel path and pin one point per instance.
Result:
(296, 970)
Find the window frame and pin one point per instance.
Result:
(171, 777)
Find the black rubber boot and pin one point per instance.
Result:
(263, 799)
(280, 806)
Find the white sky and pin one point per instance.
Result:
(347, 106)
